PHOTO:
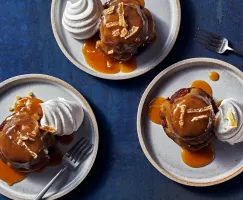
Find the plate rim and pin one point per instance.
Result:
(139, 117)
(90, 111)
(110, 76)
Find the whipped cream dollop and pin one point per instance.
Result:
(62, 115)
(229, 120)
(82, 18)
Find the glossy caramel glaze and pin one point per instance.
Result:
(214, 76)
(198, 159)
(154, 110)
(9, 175)
(203, 85)
(190, 128)
(103, 63)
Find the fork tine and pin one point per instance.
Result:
(207, 41)
(75, 147)
(88, 149)
(207, 46)
(208, 38)
(211, 34)
(80, 149)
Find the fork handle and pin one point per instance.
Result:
(239, 52)
(45, 189)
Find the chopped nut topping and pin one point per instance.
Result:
(109, 10)
(181, 121)
(199, 117)
(108, 64)
(110, 52)
(116, 32)
(30, 94)
(112, 24)
(23, 138)
(124, 32)
(48, 129)
(23, 144)
(11, 109)
(122, 21)
(132, 32)
(199, 110)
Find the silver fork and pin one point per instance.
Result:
(71, 160)
(214, 42)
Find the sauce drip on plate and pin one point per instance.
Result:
(103, 63)
(9, 175)
(154, 110)
(214, 76)
(198, 159)
(203, 85)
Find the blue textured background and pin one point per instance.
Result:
(121, 171)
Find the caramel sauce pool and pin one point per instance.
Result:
(154, 110)
(203, 85)
(9, 175)
(103, 63)
(198, 159)
(214, 76)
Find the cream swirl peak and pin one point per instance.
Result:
(62, 115)
(82, 18)
(228, 124)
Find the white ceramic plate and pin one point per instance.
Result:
(47, 87)
(167, 16)
(162, 152)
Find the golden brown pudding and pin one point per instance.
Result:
(126, 25)
(23, 145)
(188, 118)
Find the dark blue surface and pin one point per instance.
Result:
(121, 171)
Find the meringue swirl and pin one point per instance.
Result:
(62, 115)
(82, 18)
(224, 129)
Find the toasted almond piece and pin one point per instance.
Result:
(112, 24)
(30, 94)
(124, 32)
(108, 64)
(199, 110)
(122, 21)
(23, 138)
(111, 52)
(199, 117)
(23, 144)
(232, 119)
(115, 33)
(11, 109)
(48, 129)
(132, 31)
(181, 121)
(109, 10)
